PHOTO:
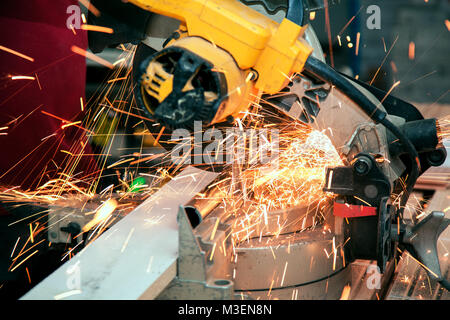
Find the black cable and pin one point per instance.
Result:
(296, 12)
(293, 286)
(328, 74)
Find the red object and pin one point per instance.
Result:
(30, 148)
(352, 211)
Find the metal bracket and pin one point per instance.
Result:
(421, 241)
(195, 279)
(356, 140)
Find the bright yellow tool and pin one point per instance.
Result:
(238, 51)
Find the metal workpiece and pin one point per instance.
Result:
(287, 260)
(214, 239)
(203, 270)
(421, 241)
(211, 197)
(329, 288)
(412, 281)
(135, 259)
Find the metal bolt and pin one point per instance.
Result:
(362, 166)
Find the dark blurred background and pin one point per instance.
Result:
(424, 79)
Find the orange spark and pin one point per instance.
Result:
(394, 67)
(116, 79)
(91, 56)
(24, 260)
(129, 113)
(31, 234)
(119, 162)
(89, 27)
(88, 5)
(39, 83)
(390, 91)
(70, 124)
(159, 136)
(66, 121)
(147, 158)
(384, 60)
(412, 50)
(22, 78)
(125, 244)
(345, 293)
(284, 273)
(73, 30)
(14, 249)
(28, 273)
(16, 53)
(358, 38)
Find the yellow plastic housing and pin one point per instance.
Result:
(239, 88)
(255, 41)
